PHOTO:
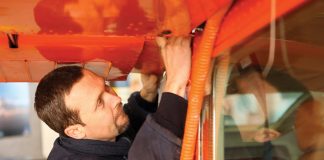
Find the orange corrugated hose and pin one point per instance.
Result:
(199, 72)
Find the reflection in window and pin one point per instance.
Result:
(14, 109)
(245, 109)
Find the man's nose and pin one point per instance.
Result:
(112, 97)
(111, 90)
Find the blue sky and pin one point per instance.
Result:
(16, 94)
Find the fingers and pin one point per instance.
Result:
(266, 134)
(179, 41)
(186, 41)
(150, 83)
(176, 55)
(161, 41)
(150, 78)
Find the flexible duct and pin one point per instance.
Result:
(199, 72)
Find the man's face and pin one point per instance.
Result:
(99, 107)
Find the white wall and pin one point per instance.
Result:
(48, 138)
(27, 146)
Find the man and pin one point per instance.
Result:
(92, 123)
(309, 129)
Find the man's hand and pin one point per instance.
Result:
(176, 55)
(265, 135)
(150, 86)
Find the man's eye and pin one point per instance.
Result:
(100, 102)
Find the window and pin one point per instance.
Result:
(273, 108)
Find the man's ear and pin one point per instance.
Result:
(76, 131)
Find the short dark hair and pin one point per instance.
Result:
(49, 98)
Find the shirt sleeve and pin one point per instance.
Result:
(137, 109)
(161, 134)
(171, 113)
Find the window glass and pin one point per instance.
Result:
(14, 109)
(278, 113)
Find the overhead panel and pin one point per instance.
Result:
(68, 31)
(15, 71)
(78, 31)
(38, 69)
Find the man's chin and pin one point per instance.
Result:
(125, 123)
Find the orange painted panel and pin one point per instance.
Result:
(38, 69)
(2, 78)
(247, 17)
(201, 10)
(76, 48)
(150, 59)
(15, 71)
(100, 17)
(79, 31)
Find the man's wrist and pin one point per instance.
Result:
(178, 89)
(148, 96)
